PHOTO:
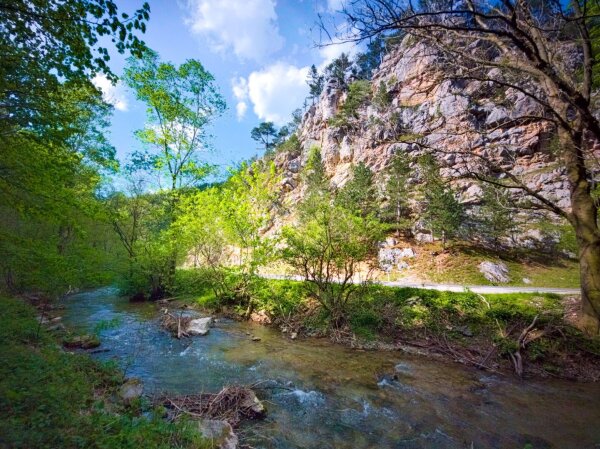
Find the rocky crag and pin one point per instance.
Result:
(448, 115)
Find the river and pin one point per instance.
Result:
(324, 396)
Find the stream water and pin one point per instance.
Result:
(325, 396)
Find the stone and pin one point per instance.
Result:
(261, 317)
(82, 342)
(494, 272)
(294, 335)
(219, 433)
(131, 390)
(252, 406)
(255, 338)
(526, 281)
(199, 326)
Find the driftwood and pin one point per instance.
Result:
(231, 404)
(523, 340)
(175, 324)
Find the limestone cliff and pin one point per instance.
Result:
(447, 115)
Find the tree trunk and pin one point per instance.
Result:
(584, 219)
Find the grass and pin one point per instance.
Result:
(460, 265)
(54, 399)
(464, 325)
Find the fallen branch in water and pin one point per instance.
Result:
(516, 357)
(231, 404)
(175, 324)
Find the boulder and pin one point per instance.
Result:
(132, 389)
(252, 406)
(219, 433)
(81, 342)
(199, 326)
(494, 272)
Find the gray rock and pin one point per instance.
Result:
(252, 406)
(199, 326)
(219, 432)
(494, 272)
(132, 389)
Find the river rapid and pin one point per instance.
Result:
(324, 396)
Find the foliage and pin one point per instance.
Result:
(396, 191)
(370, 60)
(265, 133)
(315, 83)
(314, 175)
(359, 93)
(442, 213)
(359, 194)
(181, 103)
(382, 99)
(291, 145)
(339, 70)
(329, 243)
(497, 214)
(48, 44)
(52, 399)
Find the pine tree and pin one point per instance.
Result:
(443, 213)
(359, 194)
(315, 83)
(396, 191)
(496, 215)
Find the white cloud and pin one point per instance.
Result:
(240, 92)
(113, 94)
(276, 91)
(335, 5)
(335, 49)
(248, 27)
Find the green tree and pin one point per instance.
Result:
(181, 103)
(442, 213)
(328, 245)
(266, 134)
(48, 43)
(315, 83)
(359, 93)
(496, 214)
(248, 202)
(396, 191)
(359, 194)
(314, 175)
(339, 70)
(370, 60)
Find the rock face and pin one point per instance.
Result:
(219, 433)
(199, 326)
(390, 258)
(446, 114)
(494, 272)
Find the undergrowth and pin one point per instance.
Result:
(54, 399)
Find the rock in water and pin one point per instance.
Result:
(252, 406)
(132, 389)
(219, 432)
(199, 326)
(494, 272)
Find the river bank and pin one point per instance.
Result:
(529, 335)
(321, 395)
(51, 398)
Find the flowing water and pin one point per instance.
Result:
(324, 396)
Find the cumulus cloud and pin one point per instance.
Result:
(274, 91)
(335, 49)
(239, 87)
(112, 94)
(248, 27)
(335, 5)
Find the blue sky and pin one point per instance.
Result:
(258, 50)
